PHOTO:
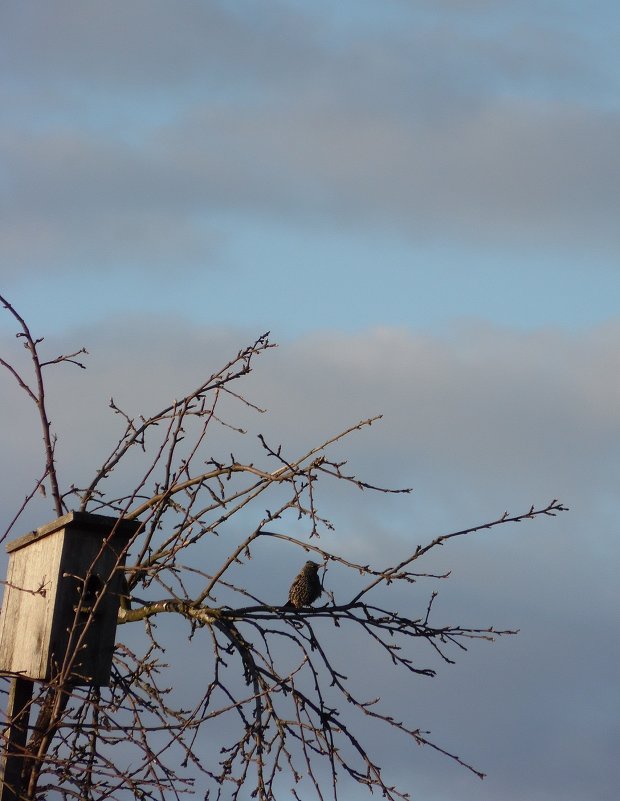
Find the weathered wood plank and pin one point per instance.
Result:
(62, 596)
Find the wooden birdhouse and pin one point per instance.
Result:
(62, 596)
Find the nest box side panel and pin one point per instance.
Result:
(87, 604)
(27, 610)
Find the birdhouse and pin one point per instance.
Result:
(62, 596)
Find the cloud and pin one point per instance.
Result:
(512, 173)
(146, 124)
(149, 46)
(79, 203)
(524, 414)
(473, 396)
(477, 419)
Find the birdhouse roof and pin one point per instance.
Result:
(98, 525)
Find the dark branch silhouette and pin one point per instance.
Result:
(255, 704)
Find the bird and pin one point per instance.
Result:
(306, 587)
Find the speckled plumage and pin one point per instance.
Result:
(306, 587)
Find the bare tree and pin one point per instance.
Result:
(254, 702)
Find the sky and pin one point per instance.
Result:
(420, 201)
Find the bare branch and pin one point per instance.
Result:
(38, 398)
(257, 698)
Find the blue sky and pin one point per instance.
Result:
(420, 200)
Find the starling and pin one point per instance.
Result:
(306, 587)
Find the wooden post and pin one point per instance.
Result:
(18, 714)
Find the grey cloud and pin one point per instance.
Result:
(523, 175)
(146, 243)
(465, 416)
(142, 45)
(507, 174)
(144, 120)
(519, 413)
(79, 203)
(475, 396)
(146, 44)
